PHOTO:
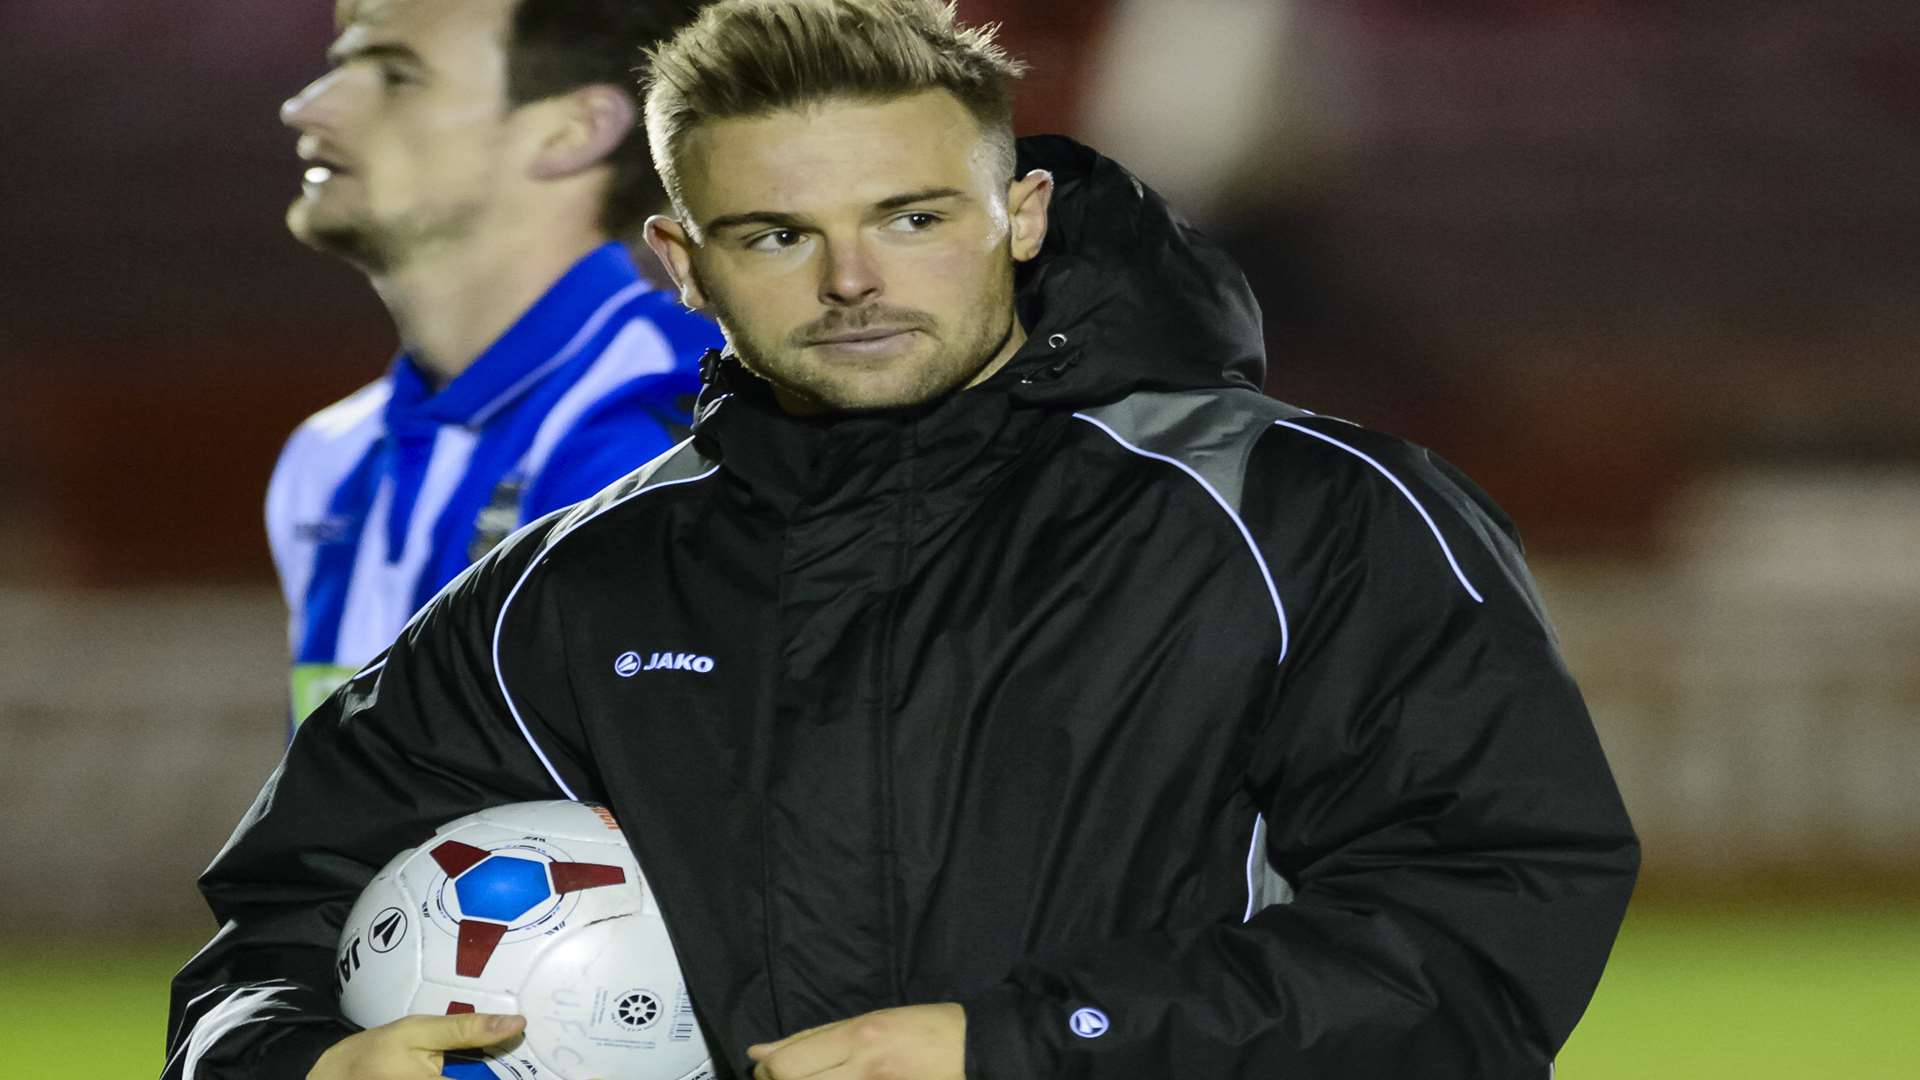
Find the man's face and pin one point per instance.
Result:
(859, 255)
(402, 138)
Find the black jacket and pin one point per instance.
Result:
(1109, 684)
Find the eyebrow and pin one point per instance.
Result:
(777, 220)
(380, 50)
(895, 202)
(757, 217)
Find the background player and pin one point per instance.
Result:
(480, 161)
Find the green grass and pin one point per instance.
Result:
(75, 1012)
(1756, 995)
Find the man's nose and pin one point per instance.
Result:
(310, 108)
(850, 277)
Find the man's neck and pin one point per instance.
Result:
(1016, 338)
(450, 305)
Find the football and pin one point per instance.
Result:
(538, 909)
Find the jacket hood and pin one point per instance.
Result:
(1125, 295)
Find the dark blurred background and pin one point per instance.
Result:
(1650, 272)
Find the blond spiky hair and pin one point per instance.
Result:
(753, 57)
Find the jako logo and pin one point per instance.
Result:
(629, 664)
(1088, 1023)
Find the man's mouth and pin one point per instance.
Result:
(873, 338)
(320, 170)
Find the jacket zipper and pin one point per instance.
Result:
(889, 892)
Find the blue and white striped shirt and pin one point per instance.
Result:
(380, 499)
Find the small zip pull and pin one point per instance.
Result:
(1054, 370)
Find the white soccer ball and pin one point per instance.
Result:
(535, 908)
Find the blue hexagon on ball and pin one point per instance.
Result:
(502, 888)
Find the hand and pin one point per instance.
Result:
(412, 1047)
(917, 1042)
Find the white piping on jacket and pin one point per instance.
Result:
(1279, 610)
(1253, 850)
(500, 624)
(1395, 481)
(245, 1006)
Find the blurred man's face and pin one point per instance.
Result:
(859, 255)
(402, 139)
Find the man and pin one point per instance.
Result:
(1070, 709)
(478, 160)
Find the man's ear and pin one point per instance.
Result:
(590, 123)
(1027, 201)
(669, 242)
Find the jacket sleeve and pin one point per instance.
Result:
(1433, 794)
(423, 735)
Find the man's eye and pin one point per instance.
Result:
(917, 221)
(776, 240)
(396, 77)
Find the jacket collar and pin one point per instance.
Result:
(942, 453)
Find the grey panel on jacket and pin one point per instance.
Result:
(1210, 431)
(1268, 886)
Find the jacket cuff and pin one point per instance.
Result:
(1001, 1041)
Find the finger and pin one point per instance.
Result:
(803, 1057)
(761, 1050)
(466, 1031)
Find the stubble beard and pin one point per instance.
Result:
(803, 384)
(380, 248)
